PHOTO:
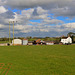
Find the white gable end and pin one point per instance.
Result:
(69, 40)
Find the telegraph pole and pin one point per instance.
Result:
(13, 32)
(9, 32)
(12, 22)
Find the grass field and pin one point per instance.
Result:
(37, 60)
(4, 42)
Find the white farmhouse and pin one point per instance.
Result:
(66, 40)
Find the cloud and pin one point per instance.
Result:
(2, 10)
(27, 3)
(43, 17)
(2, 2)
(24, 25)
(29, 14)
(5, 17)
(41, 11)
(37, 19)
(69, 25)
(3, 30)
(45, 30)
(35, 3)
(65, 11)
(53, 21)
(58, 7)
(23, 28)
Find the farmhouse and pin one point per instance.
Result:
(66, 40)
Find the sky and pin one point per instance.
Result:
(37, 18)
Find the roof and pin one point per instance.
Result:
(25, 39)
(64, 37)
(38, 40)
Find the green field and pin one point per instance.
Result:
(4, 42)
(37, 60)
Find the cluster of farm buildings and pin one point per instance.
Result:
(64, 40)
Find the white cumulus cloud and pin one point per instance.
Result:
(2, 10)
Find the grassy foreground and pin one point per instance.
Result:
(37, 60)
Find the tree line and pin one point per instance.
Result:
(55, 39)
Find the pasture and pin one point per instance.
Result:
(37, 60)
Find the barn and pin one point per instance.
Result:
(17, 42)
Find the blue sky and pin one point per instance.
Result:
(37, 18)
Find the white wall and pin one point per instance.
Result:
(64, 41)
(17, 41)
(69, 40)
(24, 42)
(49, 43)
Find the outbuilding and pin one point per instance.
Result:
(30, 43)
(17, 42)
(25, 42)
(49, 43)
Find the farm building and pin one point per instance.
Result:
(49, 43)
(30, 43)
(66, 40)
(5, 44)
(17, 42)
(40, 42)
(24, 41)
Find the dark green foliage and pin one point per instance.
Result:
(72, 35)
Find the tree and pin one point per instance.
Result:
(72, 35)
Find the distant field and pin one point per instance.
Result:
(37, 60)
(4, 42)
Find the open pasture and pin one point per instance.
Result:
(37, 60)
